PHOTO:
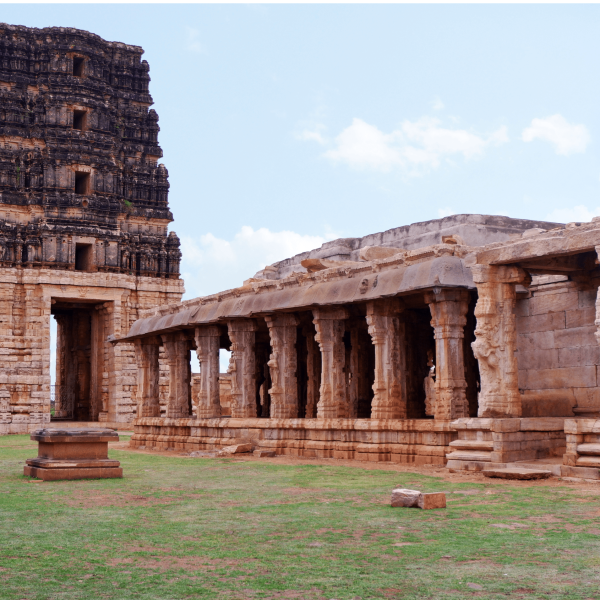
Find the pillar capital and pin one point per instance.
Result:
(241, 325)
(282, 320)
(207, 331)
(388, 307)
(499, 274)
(331, 313)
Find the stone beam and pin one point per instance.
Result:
(560, 243)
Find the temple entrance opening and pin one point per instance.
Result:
(79, 385)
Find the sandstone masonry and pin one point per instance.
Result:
(83, 223)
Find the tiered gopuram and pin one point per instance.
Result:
(83, 223)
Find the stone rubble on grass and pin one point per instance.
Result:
(235, 449)
(414, 499)
(264, 453)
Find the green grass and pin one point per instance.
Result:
(178, 528)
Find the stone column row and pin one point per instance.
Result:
(336, 394)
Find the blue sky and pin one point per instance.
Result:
(287, 125)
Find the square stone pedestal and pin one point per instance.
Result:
(73, 454)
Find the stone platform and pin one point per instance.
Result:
(73, 454)
(410, 441)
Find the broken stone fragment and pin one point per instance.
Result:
(414, 499)
(264, 453)
(235, 449)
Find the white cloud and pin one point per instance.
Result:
(193, 40)
(414, 147)
(211, 264)
(445, 212)
(566, 137)
(314, 135)
(437, 104)
(578, 213)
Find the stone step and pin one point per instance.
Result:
(588, 461)
(473, 445)
(593, 449)
(517, 473)
(470, 455)
(553, 468)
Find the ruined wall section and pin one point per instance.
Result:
(557, 353)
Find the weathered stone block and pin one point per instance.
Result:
(541, 323)
(414, 499)
(553, 303)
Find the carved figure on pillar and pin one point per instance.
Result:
(448, 318)
(389, 339)
(177, 350)
(496, 339)
(242, 333)
(283, 364)
(146, 356)
(208, 403)
(329, 323)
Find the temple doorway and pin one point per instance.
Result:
(79, 388)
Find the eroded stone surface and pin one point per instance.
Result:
(83, 226)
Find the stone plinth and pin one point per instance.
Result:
(73, 454)
(407, 441)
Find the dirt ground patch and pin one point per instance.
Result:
(93, 499)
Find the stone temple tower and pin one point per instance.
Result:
(84, 221)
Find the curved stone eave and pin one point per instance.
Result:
(403, 280)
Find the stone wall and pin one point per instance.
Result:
(27, 298)
(558, 355)
(416, 441)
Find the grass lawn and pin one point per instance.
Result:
(178, 527)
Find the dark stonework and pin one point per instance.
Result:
(80, 185)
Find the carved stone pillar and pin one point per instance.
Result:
(313, 372)
(354, 373)
(208, 403)
(329, 323)
(242, 333)
(146, 356)
(177, 350)
(389, 338)
(283, 364)
(448, 319)
(496, 339)
(597, 322)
